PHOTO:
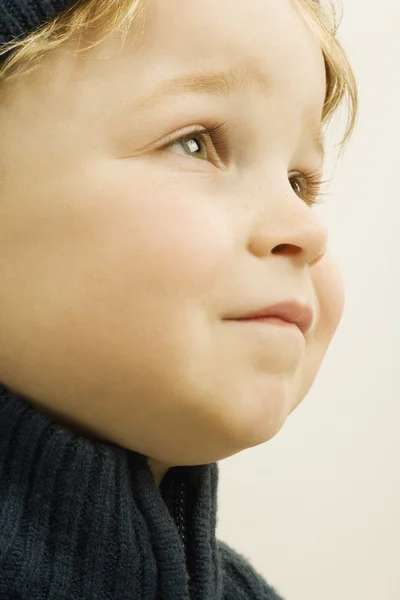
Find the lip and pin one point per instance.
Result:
(290, 311)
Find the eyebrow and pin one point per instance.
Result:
(220, 83)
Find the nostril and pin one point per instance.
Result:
(287, 249)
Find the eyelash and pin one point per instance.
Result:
(310, 186)
(216, 142)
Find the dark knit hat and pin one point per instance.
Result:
(19, 18)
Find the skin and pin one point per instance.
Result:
(121, 260)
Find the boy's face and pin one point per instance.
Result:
(121, 260)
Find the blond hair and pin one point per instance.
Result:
(109, 16)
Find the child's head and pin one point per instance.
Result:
(151, 192)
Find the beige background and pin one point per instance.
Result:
(317, 509)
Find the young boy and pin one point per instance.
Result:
(166, 291)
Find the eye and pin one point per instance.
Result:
(196, 145)
(208, 144)
(307, 186)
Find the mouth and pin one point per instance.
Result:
(284, 314)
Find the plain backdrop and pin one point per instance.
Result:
(317, 509)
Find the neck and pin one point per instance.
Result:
(158, 469)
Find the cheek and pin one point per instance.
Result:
(175, 241)
(148, 267)
(114, 270)
(329, 290)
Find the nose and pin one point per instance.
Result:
(287, 226)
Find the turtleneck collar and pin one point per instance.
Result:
(85, 519)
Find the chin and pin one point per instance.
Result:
(242, 430)
(260, 430)
(233, 443)
(263, 415)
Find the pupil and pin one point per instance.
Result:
(193, 145)
(296, 187)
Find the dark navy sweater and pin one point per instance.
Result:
(82, 519)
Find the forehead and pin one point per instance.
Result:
(268, 36)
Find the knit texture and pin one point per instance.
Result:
(19, 18)
(82, 519)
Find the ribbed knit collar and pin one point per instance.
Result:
(84, 519)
